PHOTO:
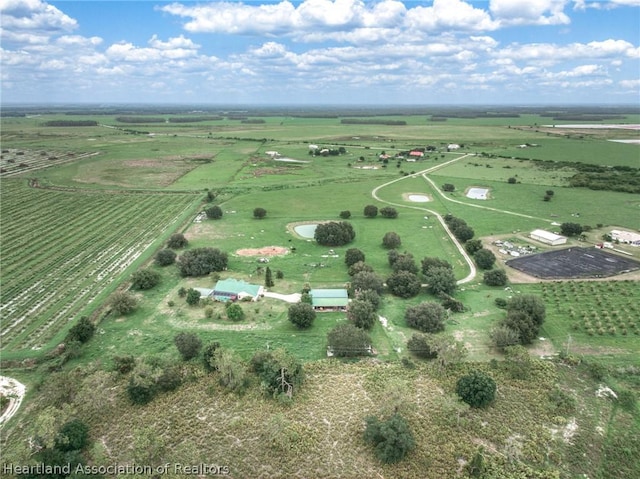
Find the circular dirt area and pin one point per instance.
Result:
(265, 251)
(417, 197)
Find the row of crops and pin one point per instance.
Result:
(596, 307)
(61, 249)
(15, 162)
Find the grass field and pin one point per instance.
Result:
(93, 220)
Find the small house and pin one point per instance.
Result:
(234, 290)
(329, 299)
(547, 237)
(626, 237)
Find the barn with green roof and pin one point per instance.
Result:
(329, 299)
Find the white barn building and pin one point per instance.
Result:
(626, 237)
(547, 237)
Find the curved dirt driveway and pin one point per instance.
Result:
(463, 252)
(15, 391)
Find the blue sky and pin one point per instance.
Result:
(321, 52)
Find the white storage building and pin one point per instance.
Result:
(547, 237)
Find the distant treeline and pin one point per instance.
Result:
(372, 121)
(194, 119)
(71, 123)
(569, 117)
(140, 119)
(474, 114)
(252, 121)
(624, 179)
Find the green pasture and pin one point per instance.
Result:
(229, 157)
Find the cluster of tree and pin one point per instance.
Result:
(438, 274)
(62, 455)
(444, 348)
(525, 316)
(280, 373)
(140, 119)
(327, 151)
(571, 229)
(151, 377)
(428, 317)
(66, 123)
(202, 261)
(448, 187)
(334, 233)
(194, 119)
(459, 228)
(548, 195)
(372, 121)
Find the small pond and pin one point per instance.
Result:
(306, 231)
(478, 193)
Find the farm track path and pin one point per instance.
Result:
(463, 252)
(14, 391)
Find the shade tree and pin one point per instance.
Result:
(428, 317)
(347, 340)
(404, 284)
(362, 314)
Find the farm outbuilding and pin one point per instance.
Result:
(626, 237)
(547, 237)
(329, 299)
(234, 289)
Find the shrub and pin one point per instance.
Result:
(234, 312)
(72, 436)
(359, 267)
(122, 303)
(301, 315)
(495, 277)
(512, 181)
(193, 297)
(279, 372)
(345, 215)
(404, 284)
(503, 336)
(427, 317)
(352, 256)
(188, 345)
(388, 212)
(214, 212)
(259, 213)
(165, 257)
(145, 279)
(391, 240)
(484, 258)
(420, 345)
(440, 280)
(392, 439)
(362, 314)
(370, 211)
(124, 364)
(177, 241)
(477, 389)
(82, 331)
(347, 340)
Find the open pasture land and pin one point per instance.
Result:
(62, 252)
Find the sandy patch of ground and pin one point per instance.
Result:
(264, 251)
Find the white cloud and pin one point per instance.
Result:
(34, 15)
(529, 12)
(553, 53)
(450, 14)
